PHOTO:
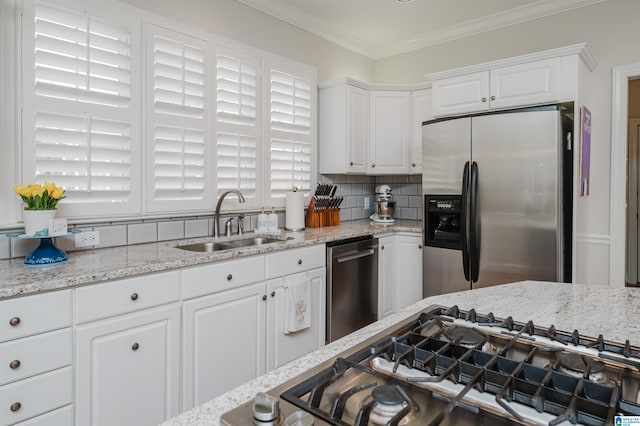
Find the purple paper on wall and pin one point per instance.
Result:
(585, 150)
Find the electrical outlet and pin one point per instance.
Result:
(87, 239)
(366, 202)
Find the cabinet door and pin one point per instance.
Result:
(386, 276)
(224, 342)
(281, 347)
(357, 129)
(408, 277)
(525, 84)
(391, 132)
(422, 111)
(127, 369)
(462, 94)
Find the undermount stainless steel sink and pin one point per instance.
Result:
(203, 247)
(231, 244)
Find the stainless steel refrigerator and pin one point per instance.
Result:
(497, 190)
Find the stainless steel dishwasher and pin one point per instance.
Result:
(352, 285)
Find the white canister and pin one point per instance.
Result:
(294, 213)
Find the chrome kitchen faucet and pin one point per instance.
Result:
(216, 216)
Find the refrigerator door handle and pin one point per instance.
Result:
(464, 238)
(474, 232)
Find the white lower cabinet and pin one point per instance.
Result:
(36, 377)
(224, 340)
(399, 272)
(281, 347)
(127, 368)
(236, 333)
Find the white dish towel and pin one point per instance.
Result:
(297, 306)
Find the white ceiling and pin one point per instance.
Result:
(381, 28)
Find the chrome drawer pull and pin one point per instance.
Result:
(229, 277)
(134, 296)
(15, 406)
(299, 261)
(14, 321)
(14, 364)
(135, 346)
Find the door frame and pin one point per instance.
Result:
(618, 191)
(633, 141)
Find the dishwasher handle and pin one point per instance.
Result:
(357, 254)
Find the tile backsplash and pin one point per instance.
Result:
(406, 191)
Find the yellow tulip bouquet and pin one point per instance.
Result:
(40, 197)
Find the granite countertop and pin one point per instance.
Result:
(99, 265)
(612, 312)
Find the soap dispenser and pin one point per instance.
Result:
(263, 221)
(273, 221)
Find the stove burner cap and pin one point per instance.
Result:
(464, 336)
(387, 395)
(580, 363)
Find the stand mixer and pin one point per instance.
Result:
(383, 205)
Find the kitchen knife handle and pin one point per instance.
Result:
(474, 234)
(464, 240)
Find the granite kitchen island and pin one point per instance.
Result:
(612, 312)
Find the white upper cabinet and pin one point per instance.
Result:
(370, 129)
(343, 130)
(518, 85)
(457, 95)
(524, 84)
(539, 78)
(390, 136)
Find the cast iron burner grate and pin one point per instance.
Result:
(433, 350)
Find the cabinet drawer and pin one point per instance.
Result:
(297, 260)
(119, 297)
(60, 417)
(222, 276)
(34, 355)
(29, 315)
(36, 395)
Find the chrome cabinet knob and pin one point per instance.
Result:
(484, 99)
(14, 364)
(273, 294)
(135, 347)
(134, 296)
(299, 261)
(264, 297)
(373, 164)
(351, 163)
(229, 277)
(493, 98)
(419, 246)
(15, 406)
(413, 164)
(14, 321)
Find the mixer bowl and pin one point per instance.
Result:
(385, 209)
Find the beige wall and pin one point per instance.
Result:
(238, 22)
(612, 32)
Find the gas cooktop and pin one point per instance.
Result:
(446, 366)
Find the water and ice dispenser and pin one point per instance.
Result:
(443, 220)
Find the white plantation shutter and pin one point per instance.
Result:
(292, 130)
(238, 124)
(82, 108)
(177, 124)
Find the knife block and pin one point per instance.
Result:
(319, 218)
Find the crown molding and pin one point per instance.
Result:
(496, 21)
(296, 17)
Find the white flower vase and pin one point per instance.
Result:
(36, 222)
